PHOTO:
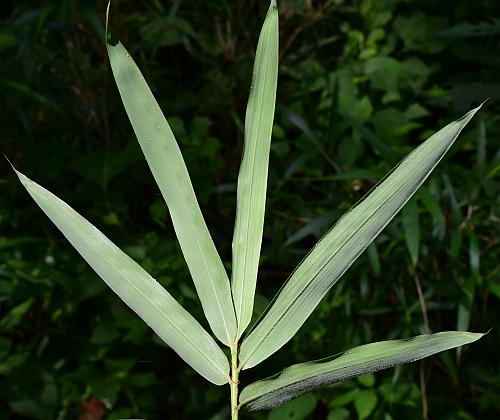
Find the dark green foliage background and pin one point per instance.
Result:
(361, 84)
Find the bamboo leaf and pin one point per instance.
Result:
(304, 377)
(169, 170)
(252, 179)
(169, 320)
(340, 247)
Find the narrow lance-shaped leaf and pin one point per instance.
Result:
(252, 179)
(169, 170)
(340, 247)
(304, 377)
(169, 320)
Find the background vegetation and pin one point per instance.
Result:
(361, 83)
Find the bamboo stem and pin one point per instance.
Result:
(234, 382)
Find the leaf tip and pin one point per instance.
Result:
(19, 174)
(473, 336)
(10, 163)
(273, 6)
(107, 37)
(474, 110)
(468, 116)
(27, 183)
(107, 20)
(23, 178)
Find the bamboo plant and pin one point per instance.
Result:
(228, 305)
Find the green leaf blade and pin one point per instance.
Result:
(169, 170)
(252, 179)
(144, 295)
(340, 247)
(304, 377)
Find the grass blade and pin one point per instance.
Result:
(252, 179)
(304, 377)
(169, 320)
(340, 247)
(169, 170)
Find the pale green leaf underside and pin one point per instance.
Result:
(169, 170)
(252, 179)
(304, 377)
(169, 320)
(340, 247)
